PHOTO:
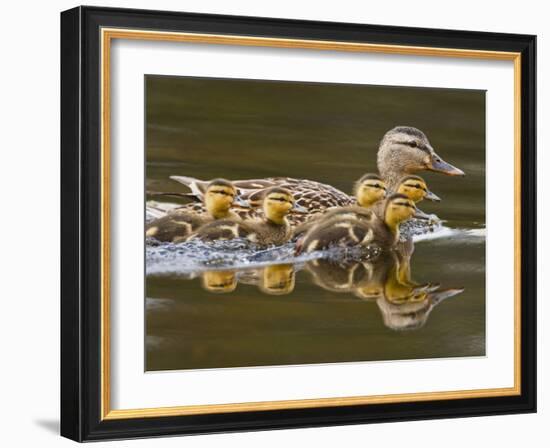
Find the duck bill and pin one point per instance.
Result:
(439, 165)
(430, 196)
(419, 214)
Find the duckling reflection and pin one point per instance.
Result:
(339, 276)
(277, 280)
(411, 312)
(403, 303)
(219, 281)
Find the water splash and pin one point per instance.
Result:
(189, 258)
(194, 256)
(448, 234)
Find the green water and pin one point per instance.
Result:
(239, 129)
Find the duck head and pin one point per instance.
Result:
(369, 190)
(277, 204)
(406, 150)
(220, 195)
(399, 208)
(416, 189)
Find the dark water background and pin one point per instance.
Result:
(240, 129)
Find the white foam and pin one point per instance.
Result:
(454, 235)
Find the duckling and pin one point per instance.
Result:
(369, 190)
(412, 186)
(273, 229)
(416, 189)
(403, 150)
(175, 226)
(367, 230)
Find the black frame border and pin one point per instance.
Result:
(81, 223)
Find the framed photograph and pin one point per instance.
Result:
(275, 224)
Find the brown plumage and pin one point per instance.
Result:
(314, 196)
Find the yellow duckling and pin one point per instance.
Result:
(178, 224)
(416, 189)
(369, 190)
(272, 229)
(366, 229)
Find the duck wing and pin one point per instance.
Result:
(303, 189)
(198, 186)
(316, 197)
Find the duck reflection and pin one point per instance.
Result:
(274, 280)
(412, 312)
(386, 281)
(403, 303)
(219, 281)
(277, 280)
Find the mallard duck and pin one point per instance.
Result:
(272, 229)
(362, 229)
(403, 150)
(177, 224)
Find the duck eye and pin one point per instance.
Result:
(413, 144)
